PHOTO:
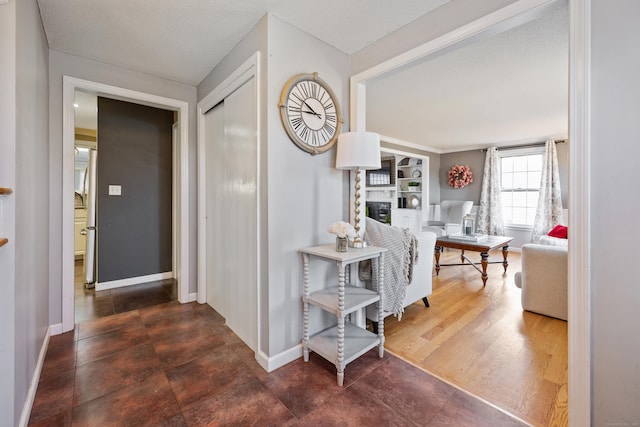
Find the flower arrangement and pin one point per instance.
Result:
(460, 176)
(342, 229)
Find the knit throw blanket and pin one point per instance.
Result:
(402, 253)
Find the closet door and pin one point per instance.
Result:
(232, 238)
(214, 175)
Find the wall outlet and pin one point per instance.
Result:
(115, 190)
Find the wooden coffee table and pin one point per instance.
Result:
(484, 247)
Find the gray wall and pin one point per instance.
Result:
(614, 205)
(24, 214)
(135, 152)
(301, 194)
(7, 210)
(64, 64)
(475, 160)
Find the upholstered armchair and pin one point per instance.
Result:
(544, 280)
(451, 214)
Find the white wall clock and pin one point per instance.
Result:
(310, 113)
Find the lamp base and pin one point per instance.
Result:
(357, 244)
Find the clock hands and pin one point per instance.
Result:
(312, 111)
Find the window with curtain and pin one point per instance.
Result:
(521, 171)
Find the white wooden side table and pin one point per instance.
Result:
(345, 342)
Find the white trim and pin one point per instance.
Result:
(408, 144)
(579, 103)
(248, 70)
(579, 326)
(272, 363)
(69, 86)
(508, 17)
(56, 329)
(33, 387)
(193, 296)
(130, 281)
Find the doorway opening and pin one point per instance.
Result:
(180, 207)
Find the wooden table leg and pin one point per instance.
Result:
(462, 256)
(484, 262)
(505, 252)
(437, 251)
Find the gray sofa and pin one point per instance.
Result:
(544, 280)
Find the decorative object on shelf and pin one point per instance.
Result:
(413, 186)
(413, 201)
(343, 231)
(358, 151)
(310, 113)
(416, 173)
(460, 176)
(400, 174)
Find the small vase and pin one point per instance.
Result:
(342, 244)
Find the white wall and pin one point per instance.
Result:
(24, 214)
(64, 64)
(615, 130)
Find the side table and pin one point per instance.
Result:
(345, 342)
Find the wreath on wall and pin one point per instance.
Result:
(460, 176)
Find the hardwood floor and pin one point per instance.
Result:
(480, 339)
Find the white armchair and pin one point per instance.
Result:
(421, 284)
(544, 280)
(451, 214)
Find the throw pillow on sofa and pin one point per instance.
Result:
(559, 231)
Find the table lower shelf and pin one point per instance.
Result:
(357, 341)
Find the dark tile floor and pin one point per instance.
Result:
(179, 364)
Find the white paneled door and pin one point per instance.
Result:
(231, 211)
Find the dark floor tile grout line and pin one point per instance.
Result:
(460, 389)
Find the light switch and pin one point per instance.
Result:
(115, 190)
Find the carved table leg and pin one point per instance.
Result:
(305, 317)
(437, 251)
(340, 356)
(484, 262)
(380, 261)
(462, 256)
(505, 252)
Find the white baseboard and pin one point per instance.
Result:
(193, 296)
(55, 329)
(33, 387)
(272, 363)
(112, 284)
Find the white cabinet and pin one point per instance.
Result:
(345, 342)
(407, 218)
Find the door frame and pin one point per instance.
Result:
(180, 172)
(579, 325)
(245, 72)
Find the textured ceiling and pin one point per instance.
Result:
(510, 88)
(183, 40)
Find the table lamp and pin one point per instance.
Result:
(358, 151)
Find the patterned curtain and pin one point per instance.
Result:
(490, 210)
(549, 212)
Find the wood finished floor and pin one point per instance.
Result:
(481, 340)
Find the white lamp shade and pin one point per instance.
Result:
(358, 150)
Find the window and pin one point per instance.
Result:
(521, 172)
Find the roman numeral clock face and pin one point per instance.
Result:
(310, 113)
